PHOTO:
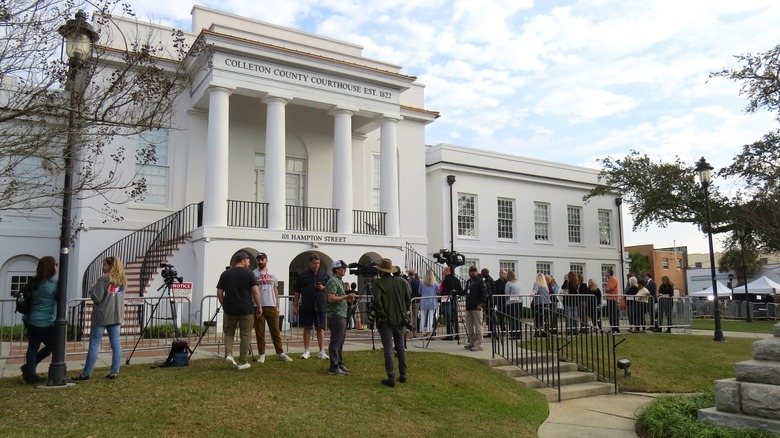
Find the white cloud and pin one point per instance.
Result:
(570, 80)
(582, 104)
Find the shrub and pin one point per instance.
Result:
(677, 416)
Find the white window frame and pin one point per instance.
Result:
(467, 215)
(463, 271)
(605, 227)
(578, 268)
(507, 265)
(541, 222)
(158, 173)
(544, 267)
(574, 221)
(506, 218)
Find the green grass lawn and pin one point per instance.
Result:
(758, 326)
(680, 363)
(446, 396)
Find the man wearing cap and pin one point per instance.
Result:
(310, 305)
(236, 290)
(391, 302)
(269, 295)
(476, 297)
(337, 317)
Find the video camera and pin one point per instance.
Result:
(365, 269)
(453, 259)
(169, 274)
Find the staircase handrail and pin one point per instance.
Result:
(181, 225)
(133, 246)
(421, 263)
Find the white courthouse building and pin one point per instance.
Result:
(289, 143)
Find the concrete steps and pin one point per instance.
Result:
(573, 383)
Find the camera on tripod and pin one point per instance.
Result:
(365, 269)
(169, 274)
(453, 259)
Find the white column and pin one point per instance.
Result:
(217, 147)
(342, 168)
(275, 162)
(388, 175)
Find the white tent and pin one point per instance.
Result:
(723, 291)
(760, 286)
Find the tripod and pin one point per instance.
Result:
(167, 291)
(206, 329)
(368, 292)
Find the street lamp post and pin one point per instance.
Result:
(450, 182)
(741, 235)
(704, 170)
(79, 37)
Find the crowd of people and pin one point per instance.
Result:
(401, 303)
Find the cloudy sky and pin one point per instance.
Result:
(565, 81)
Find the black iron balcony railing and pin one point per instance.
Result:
(247, 214)
(250, 214)
(369, 222)
(311, 219)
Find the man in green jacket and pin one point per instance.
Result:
(391, 302)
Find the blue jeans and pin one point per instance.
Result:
(95, 339)
(36, 336)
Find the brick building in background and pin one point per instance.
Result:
(671, 262)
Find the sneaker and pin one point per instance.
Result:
(337, 372)
(323, 356)
(388, 382)
(260, 358)
(284, 358)
(402, 379)
(476, 348)
(468, 346)
(305, 354)
(243, 365)
(343, 368)
(230, 361)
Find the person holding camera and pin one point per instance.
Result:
(392, 299)
(269, 295)
(310, 305)
(451, 288)
(337, 317)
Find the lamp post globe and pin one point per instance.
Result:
(704, 171)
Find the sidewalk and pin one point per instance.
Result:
(605, 416)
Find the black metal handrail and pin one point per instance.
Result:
(369, 222)
(247, 214)
(300, 218)
(557, 335)
(182, 224)
(421, 263)
(138, 244)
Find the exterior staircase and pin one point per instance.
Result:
(141, 252)
(573, 383)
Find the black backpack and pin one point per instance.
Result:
(24, 299)
(179, 355)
